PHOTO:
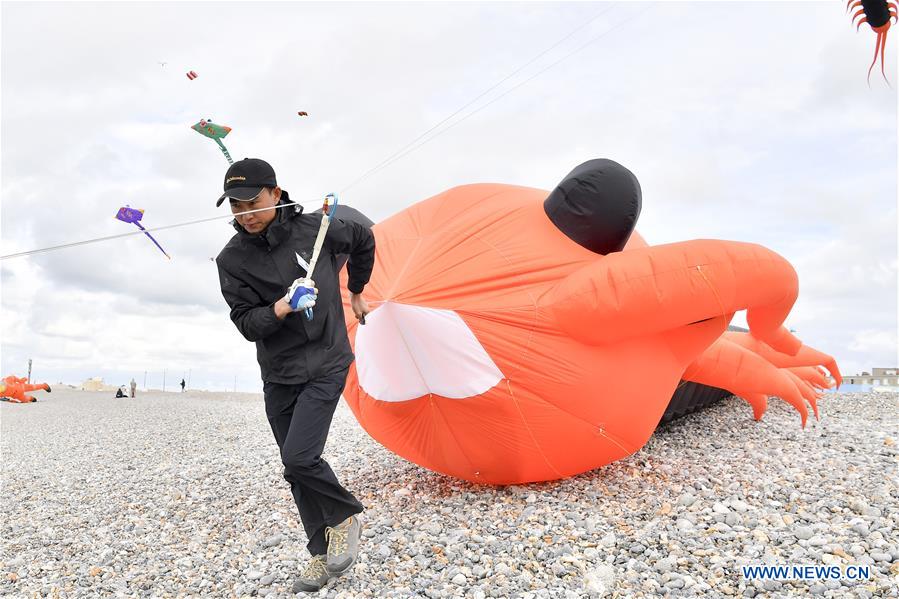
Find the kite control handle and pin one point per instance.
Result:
(301, 295)
(330, 206)
(309, 288)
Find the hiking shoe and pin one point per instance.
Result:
(313, 577)
(343, 545)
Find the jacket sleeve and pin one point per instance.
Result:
(358, 241)
(253, 318)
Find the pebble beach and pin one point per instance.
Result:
(181, 495)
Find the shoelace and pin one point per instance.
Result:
(337, 540)
(315, 568)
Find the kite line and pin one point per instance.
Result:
(205, 127)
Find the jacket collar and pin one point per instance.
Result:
(277, 230)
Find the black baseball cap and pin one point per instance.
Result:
(246, 178)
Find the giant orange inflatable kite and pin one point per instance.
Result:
(512, 340)
(16, 389)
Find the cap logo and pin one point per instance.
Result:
(235, 179)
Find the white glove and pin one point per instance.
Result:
(302, 294)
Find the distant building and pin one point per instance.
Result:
(878, 377)
(96, 384)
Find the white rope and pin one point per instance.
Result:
(388, 160)
(319, 241)
(398, 156)
(149, 230)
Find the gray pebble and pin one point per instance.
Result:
(666, 565)
(686, 500)
(684, 524)
(675, 583)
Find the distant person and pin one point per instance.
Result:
(304, 361)
(120, 392)
(182, 385)
(133, 387)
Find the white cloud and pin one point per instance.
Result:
(872, 340)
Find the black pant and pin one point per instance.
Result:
(300, 416)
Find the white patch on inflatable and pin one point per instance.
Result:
(404, 352)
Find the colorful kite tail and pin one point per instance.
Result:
(224, 151)
(153, 240)
(879, 49)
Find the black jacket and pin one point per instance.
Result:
(255, 272)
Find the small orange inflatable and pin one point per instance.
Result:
(16, 389)
(516, 337)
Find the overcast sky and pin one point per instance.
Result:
(743, 121)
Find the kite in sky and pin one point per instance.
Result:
(126, 214)
(214, 132)
(192, 75)
(877, 14)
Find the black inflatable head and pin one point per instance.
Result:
(596, 205)
(877, 12)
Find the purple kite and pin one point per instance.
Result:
(126, 214)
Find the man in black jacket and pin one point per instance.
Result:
(304, 362)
